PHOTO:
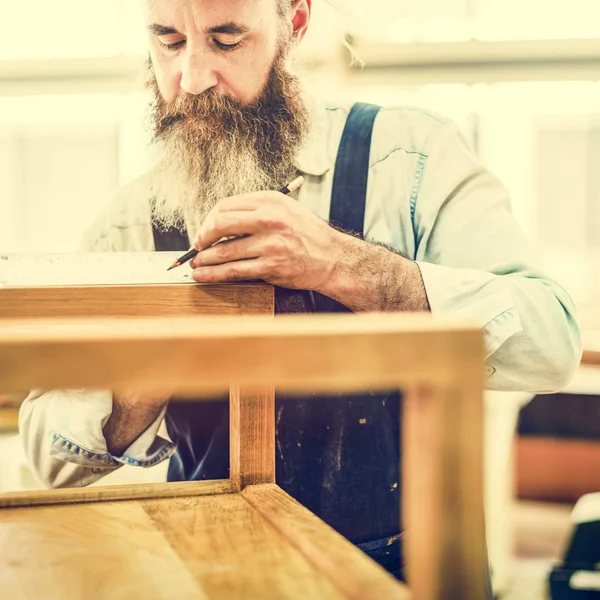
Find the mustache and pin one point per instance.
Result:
(210, 108)
(167, 122)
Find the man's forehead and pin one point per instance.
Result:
(207, 12)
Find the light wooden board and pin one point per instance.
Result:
(135, 301)
(188, 355)
(344, 564)
(233, 552)
(88, 552)
(113, 493)
(211, 547)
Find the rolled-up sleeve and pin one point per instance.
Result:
(63, 440)
(477, 264)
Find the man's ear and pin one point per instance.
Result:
(300, 18)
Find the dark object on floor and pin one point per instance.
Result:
(578, 576)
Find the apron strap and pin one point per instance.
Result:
(350, 178)
(351, 174)
(170, 240)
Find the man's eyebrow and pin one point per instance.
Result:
(161, 29)
(230, 28)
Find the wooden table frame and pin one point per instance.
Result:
(251, 411)
(438, 366)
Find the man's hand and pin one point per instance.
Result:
(276, 240)
(280, 242)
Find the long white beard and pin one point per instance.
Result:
(186, 188)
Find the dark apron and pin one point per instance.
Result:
(337, 455)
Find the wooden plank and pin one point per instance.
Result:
(358, 577)
(443, 490)
(113, 493)
(556, 469)
(252, 436)
(188, 355)
(89, 552)
(135, 301)
(233, 552)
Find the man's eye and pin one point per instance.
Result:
(226, 47)
(172, 45)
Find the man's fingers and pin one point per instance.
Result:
(219, 225)
(229, 251)
(242, 270)
(223, 225)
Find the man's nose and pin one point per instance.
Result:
(197, 72)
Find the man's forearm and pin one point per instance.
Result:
(130, 417)
(369, 277)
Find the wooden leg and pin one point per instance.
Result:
(252, 436)
(443, 493)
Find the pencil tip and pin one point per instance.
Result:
(173, 266)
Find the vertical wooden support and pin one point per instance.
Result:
(252, 427)
(443, 491)
(252, 436)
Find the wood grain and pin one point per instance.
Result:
(89, 552)
(113, 493)
(188, 355)
(358, 577)
(234, 552)
(443, 490)
(252, 436)
(212, 547)
(136, 301)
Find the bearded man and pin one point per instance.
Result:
(396, 214)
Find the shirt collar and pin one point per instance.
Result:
(313, 158)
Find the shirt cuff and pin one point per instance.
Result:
(69, 451)
(78, 438)
(474, 296)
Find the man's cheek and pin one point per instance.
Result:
(167, 83)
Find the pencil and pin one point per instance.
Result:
(288, 189)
